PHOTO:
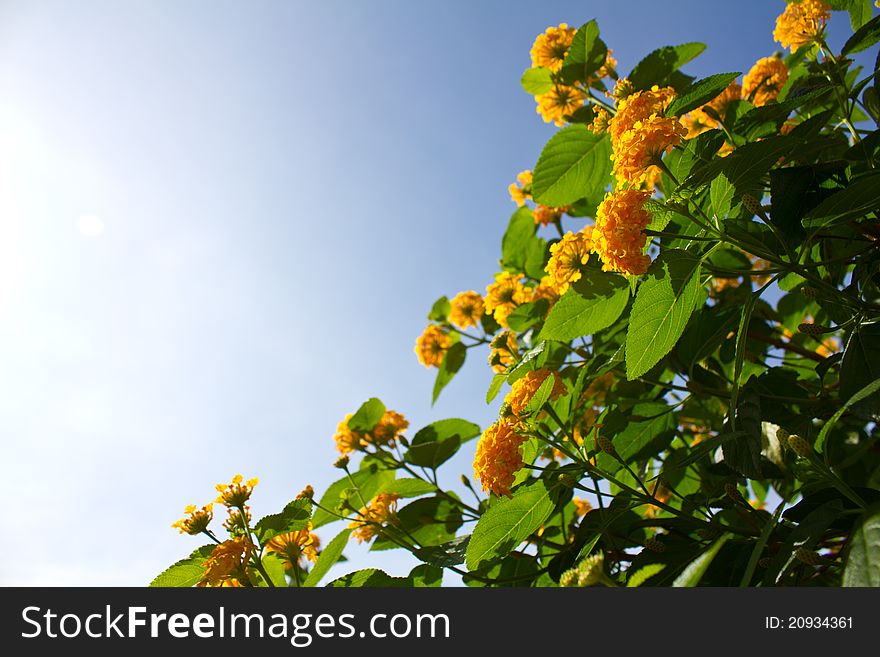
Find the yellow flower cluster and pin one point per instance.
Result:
(523, 389)
(504, 295)
(379, 511)
(236, 523)
(522, 188)
(699, 121)
(567, 258)
(764, 81)
(198, 519)
(618, 237)
(559, 103)
(550, 48)
(235, 494)
(801, 23)
(226, 565)
(504, 351)
(387, 431)
(466, 308)
(431, 346)
(581, 507)
(545, 215)
(296, 545)
(498, 457)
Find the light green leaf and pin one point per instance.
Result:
(585, 55)
(295, 516)
(590, 305)
(329, 556)
(863, 557)
(694, 572)
(274, 567)
(367, 481)
(370, 578)
(186, 572)
(721, 193)
(864, 393)
(574, 164)
(520, 233)
(661, 310)
(408, 487)
(367, 416)
(645, 573)
(452, 362)
(537, 80)
(495, 387)
(508, 521)
(440, 310)
(700, 93)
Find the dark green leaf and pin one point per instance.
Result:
(865, 37)
(863, 554)
(658, 67)
(445, 555)
(429, 521)
(700, 93)
(574, 164)
(585, 55)
(370, 578)
(743, 452)
(527, 315)
(649, 430)
(437, 442)
(295, 516)
(426, 575)
(368, 481)
(452, 362)
(590, 305)
(694, 572)
(865, 392)
(856, 200)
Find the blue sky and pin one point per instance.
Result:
(222, 225)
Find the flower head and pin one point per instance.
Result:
(567, 258)
(762, 84)
(466, 308)
(522, 188)
(504, 295)
(801, 23)
(504, 351)
(498, 457)
(431, 346)
(346, 439)
(388, 429)
(380, 510)
(545, 215)
(637, 150)
(226, 565)
(581, 507)
(550, 48)
(235, 523)
(198, 519)
(558, 103)
(235, 493)
(522, 391)
(618, 236)
(699, 121)
(601, 121)
(296, 545)
(637, 107)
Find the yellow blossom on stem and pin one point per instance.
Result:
(764, 81)
(388, 429)
(198, 519)
(226, 565)
(431, 346)
(638, 107)
(550, 48)
(558, 103)
(504, 295)
(379, 511)
(235, 494)
(498, 457)
(522, 188)
(545, 215)
(699, 121)
(581, 507)
(504, 351)
(601, 121)
(523, 389)
(618, 236)
(801, 23)
(640, 148)
(293, 546)
(466, 308)
(567, 258)
(346, 439)
(235, 523)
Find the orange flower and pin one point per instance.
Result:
(558, 103)
(762, 84)
(522, 391)
(550, 48)
(801, 23)
(522, 188)
(380, 510)
(466, 308)
(504, 295)
(498, 457)
(567, 258)
(292, 546)
(226, 565)
(618, 237)
(640, 148)
(431, 346)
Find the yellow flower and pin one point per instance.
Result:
(522, 391)
(498, 457)
(561, 101)
(582, 507)
(198, 519)
(762, 84)
(346, 439)
(293, 546)
(522, 188)
(545, 215)
(306, 493)
(388, 429)
(638, 107)
(379, 511)
(235, 524)
(431, 346)
(567, 258)
(235, 493)
(226, 565)
(607, 69)
(601, 121)
(504, 295)
(617, 236)
(547, 289)
(504, 351)
(550, 48)
(466, 308)
(699, 121)
(640, 148)
(800, 23)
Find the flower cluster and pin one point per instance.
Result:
(801, 23)
(764, 81)
(567, 259)
(198, 519)
(432, 345)
(524, 388)
(387, 431)
(466, 308)
(618, 237)
(295, 546)
(498, 457)
(235, 493)
(379, 511)
(504, 295)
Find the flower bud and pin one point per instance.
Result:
(800, 446)
(808, 557)
(606, 445)
(341, 463)
(655, 545)
(590, 570)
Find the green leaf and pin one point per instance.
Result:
(329, 556)
(527, 315)
(856, 200)
(428, 521)
(542, 395)
(743, 452)
(294, 517)
(369, 481)
(865, 37)
(274, 567)
(644, 573)
(521, 232)
(863, 553)
(370, 578)
(658, 67)
(694, 572)
(585, 55)
(438, 441)
(865, 392)
(186, 572)
(367, 416)
(452, 362)
(537, 81)
(590, 305)
(495, 387)
(426, 575)
(745, 166)
(761, 543)
(861, 366)
(649, 430)
(700, 93)
(721, 193)
(440, 310)
(408, 487)
(574, 164)
(445, 555)
(661, 310)
(508, 521)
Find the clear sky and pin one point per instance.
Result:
(222, 225)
